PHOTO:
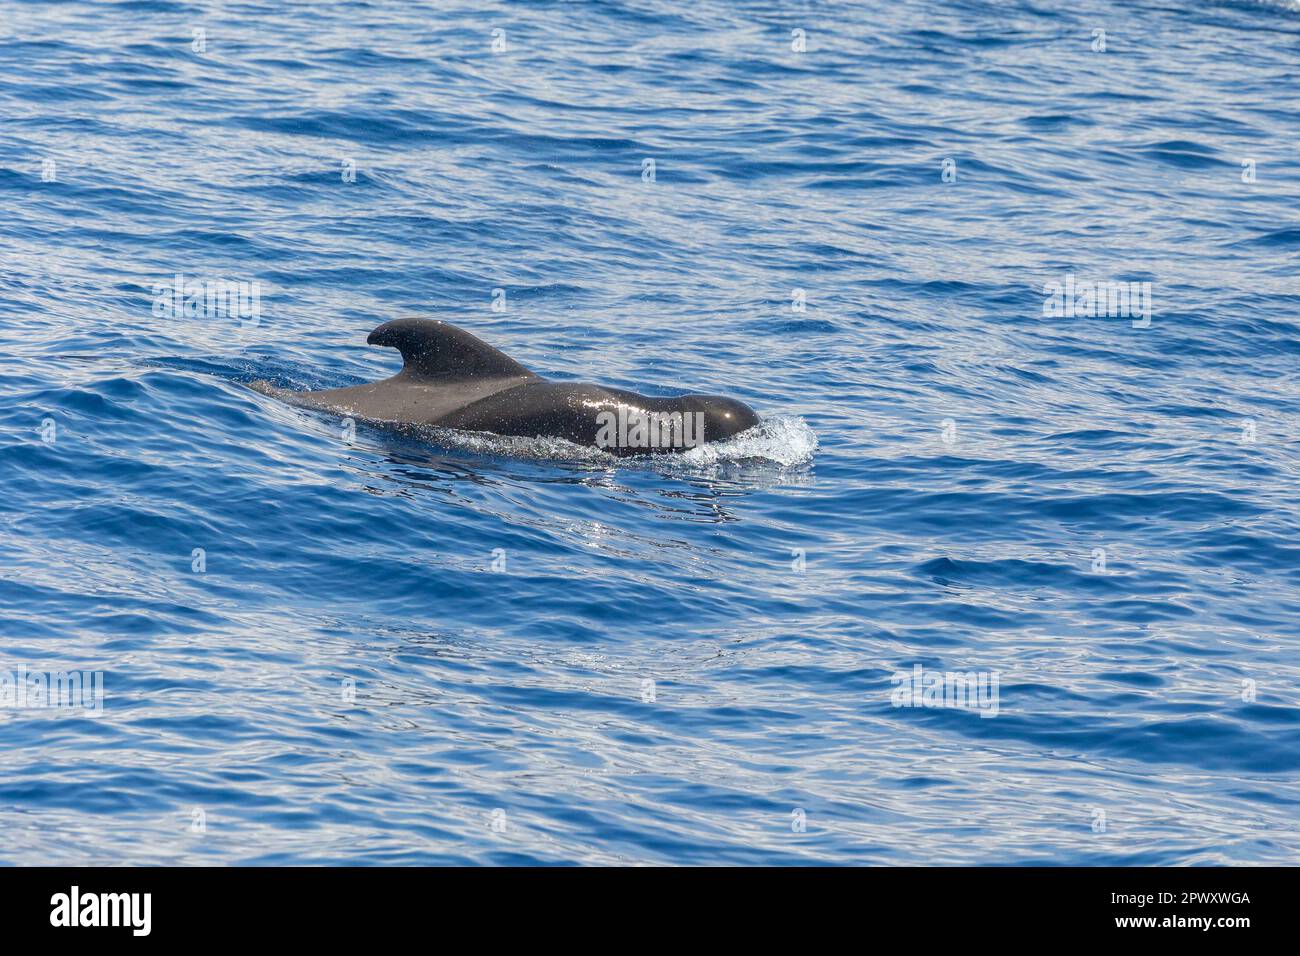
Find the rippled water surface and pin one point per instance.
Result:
(320, 647)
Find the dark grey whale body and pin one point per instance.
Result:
(451, 379)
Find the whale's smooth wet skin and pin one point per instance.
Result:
(452, 379)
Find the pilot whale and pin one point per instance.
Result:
(452, 379)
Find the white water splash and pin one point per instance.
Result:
(784, 439)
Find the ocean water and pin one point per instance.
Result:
(327, 645)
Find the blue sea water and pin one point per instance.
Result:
(327, 647)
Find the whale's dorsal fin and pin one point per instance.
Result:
(432, 349)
